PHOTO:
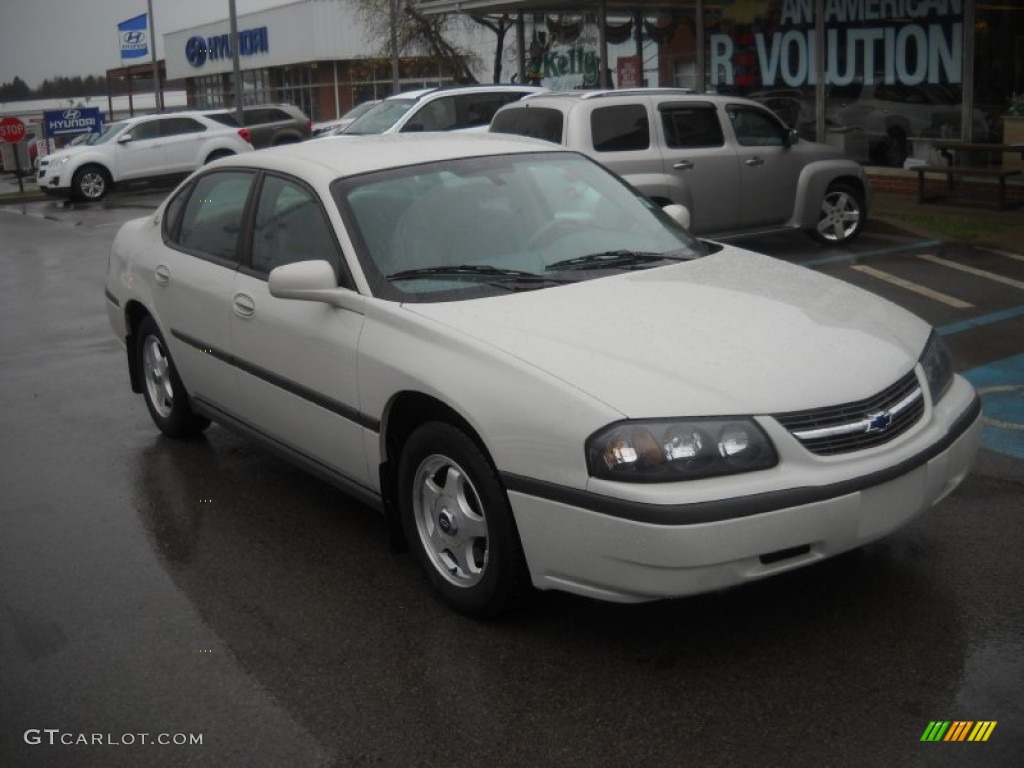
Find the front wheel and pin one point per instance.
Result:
(90, 183)
(458, 522)
(841, 217)
(165, 395)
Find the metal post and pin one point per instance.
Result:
(395, 84)
(700, 76)
(967, 90)
(157, 100)
(521, 46)
(235, 65)
(819, 71)
(602, 42)
(638, 38)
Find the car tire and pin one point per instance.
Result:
(165, 395)
(90, 183)
(217, 154)
(458, 522)
(841, 216)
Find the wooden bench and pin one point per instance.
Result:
(965, 170)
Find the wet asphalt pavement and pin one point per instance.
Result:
(205, 588)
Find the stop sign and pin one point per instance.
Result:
(12, 130)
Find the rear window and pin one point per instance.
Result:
(225, 118)
(537, 122)
(620, 128)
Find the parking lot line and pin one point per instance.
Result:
(973, 270)
(868, 254)
(975, 322)
(1007, 254)
(952, 301)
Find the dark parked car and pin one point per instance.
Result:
(270, 125)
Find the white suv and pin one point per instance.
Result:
(138, 148)
(458, 108)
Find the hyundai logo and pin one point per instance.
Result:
(72, 114)
(195, 51)
(134, 37)
(879, 422)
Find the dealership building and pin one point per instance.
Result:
(880, 76)
(316, 54)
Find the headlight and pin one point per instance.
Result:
(664, 451)
(938, 366)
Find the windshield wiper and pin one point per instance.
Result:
(474, 270)
(620, 259)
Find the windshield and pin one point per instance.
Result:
(108, 133)
(483, 226)
(381, 117)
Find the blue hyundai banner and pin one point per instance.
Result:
(133, 37)
(64, 122)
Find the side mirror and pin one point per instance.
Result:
(124, 138)
(792, 137)
(680, 214)
(313, 281)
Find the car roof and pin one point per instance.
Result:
(567, 98)
(446, 89)
(183, 113)
(330, 157)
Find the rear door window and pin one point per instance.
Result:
(211, 221)
(691, 127)
(176, 126)
(620, 128)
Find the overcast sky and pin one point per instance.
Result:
(41, 39)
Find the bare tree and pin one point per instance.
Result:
(499, 25)
(417, 35)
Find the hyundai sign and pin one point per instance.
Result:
(64, 122)
(198, 50)
(133, 37)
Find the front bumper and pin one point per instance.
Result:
(626, 558)
(50, 181)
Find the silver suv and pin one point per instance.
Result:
(269, 125)
(732, 163)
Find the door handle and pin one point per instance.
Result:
(163, 275)
(683, 165)
(243, 305)
(754, 161)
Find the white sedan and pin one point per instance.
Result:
(537, 375)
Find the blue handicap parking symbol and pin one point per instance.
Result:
(1001, 386)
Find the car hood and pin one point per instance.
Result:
(729, 334)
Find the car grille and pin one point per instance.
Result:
(863, 424)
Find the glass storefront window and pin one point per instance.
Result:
(893, 68)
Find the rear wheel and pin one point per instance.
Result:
(458, 522)
(90, 183)
(841, 217)
(165, 395)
